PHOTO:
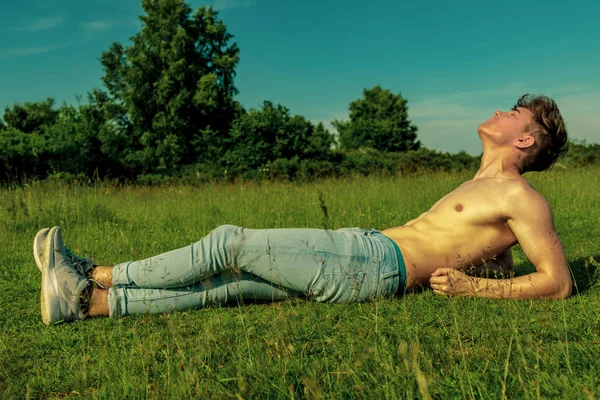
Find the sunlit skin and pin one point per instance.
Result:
(472, 227)
(477, 224)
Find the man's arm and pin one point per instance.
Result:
(530, 219)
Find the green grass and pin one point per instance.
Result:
(419, 345)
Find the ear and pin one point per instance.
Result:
(524, 142)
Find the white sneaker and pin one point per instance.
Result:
(62, 281)
(38, 250)
(38, 246)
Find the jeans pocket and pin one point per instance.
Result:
(388, 283)
(389, 275)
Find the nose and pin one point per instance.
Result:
(497, 113)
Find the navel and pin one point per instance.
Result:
(458, 207)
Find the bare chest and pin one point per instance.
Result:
(472, 204)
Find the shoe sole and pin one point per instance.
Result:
(50, 309)
(38, 246)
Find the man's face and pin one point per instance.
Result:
(504, 127)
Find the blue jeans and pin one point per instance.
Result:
(232, 264)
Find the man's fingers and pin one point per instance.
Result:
(438, 280)
(442, 286)
(446, 281)
(436, 272)
(441, 271)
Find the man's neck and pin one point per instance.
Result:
(497, 164)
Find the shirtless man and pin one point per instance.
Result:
(473, 227)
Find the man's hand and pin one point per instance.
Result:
(450, 282)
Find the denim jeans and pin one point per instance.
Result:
(232, 264)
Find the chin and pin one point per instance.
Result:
(488, 135)
(487, 128)
(482, 130)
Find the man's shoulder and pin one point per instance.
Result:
(520, 197)
(517, 187)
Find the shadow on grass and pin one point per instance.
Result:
(585, 272)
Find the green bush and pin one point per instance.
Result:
(270, 138)
(22, 155)
(580, 154)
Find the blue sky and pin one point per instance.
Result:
(455, 61)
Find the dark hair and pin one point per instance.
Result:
(548, 129)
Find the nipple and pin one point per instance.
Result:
(458, 207)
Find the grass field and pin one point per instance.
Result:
(417, 346)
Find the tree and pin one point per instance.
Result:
(21, 155)
(31, 117)
(379, 120)
(23, 139)
(270, 133)
(74, 140)
(173, 86)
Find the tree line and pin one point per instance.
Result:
(168, 108)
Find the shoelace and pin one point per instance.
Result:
(84, 266)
